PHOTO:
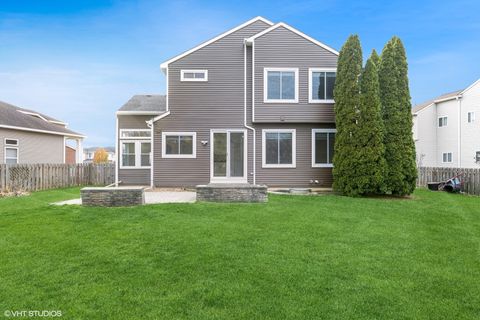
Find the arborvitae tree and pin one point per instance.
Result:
(396, 113)
(347, 102)
(375, 59)
(370, 164)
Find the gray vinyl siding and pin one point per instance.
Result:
(132, 176)
(34, 147)
(303, 173)
(284, 48)
(202, 106)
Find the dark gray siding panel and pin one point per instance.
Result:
(133, 176)
(303, 173)
(202, 106)
(284, 48)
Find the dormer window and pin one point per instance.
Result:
(194, 75)
(321, 85)
(280, 85)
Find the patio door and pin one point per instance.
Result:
(228, 156)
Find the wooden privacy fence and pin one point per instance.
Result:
(470, 177)
(33, 177)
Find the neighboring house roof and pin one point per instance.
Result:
(443, 97)
(12, 117)
(90, 149)
(144, 104)
(164, 65)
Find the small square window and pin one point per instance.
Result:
(447, 157)
(278, 148)
(442, 122)
(280, 85)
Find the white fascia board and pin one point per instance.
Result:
(470, 87)
(286, 26)
(137, 113)
(43, 131)
(165, 64)
(449, 98)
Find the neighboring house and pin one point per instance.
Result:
(89, 153)
(70, 155)
(446, 131)
(27, 136)
(255, 104)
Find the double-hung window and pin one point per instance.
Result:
(135, 148)
(323, 143)
(11, 151)
(179, 144)
(280, 85)
(194, 75)
(442, 122)
(278, 148)
(321, 85)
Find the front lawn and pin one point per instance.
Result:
(296, 257)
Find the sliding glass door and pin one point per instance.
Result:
(228, 156)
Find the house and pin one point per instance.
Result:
(70, 155)
(252, 105)
(89, 153)
(445, 130)
(28, 136)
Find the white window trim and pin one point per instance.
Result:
(8, 144)
(472, 117)
(135, 138)
(310, 80)
(138, 154)
(182, 75)
(451, 160)
(294, 148)
(5, 154)
(265, 85)
(179, 156)
(443, 122)
(321, 165)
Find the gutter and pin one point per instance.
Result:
(245, 113)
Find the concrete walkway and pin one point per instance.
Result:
(151, 197)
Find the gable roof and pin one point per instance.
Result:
(298, 32)
(145, 104)
(12, 117)
(164, 65)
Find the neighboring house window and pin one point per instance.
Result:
(447, 157)
(11, 151)
(194, 75)
(280, 85)
(442, 121)
(323, 143)
(135, 154)
(135, 133)
(471, 117)
(179, 144)
(278, 148)
(321, 85)
(477, 156)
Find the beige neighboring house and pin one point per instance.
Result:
(446, 131)
(27, 136)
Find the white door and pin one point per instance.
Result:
(228, 157)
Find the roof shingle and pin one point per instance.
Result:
(146, 102)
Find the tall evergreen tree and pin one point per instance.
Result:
(375, 59)
(396, 113)
(347, 103)
(370, 160)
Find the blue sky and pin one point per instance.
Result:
(79, 61)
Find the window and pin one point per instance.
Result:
(323, 143)
(280, 85)
(471, 117)
(135, 154)
(321, 85)
(194, 75)
(11, 151)
(447, 157)
(477, 156)
(278, 148)
(135, 133)
(442, 122)
(179, 144)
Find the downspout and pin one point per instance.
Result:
(150, 125)
(245, 110)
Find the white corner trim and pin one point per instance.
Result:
(179, 156)
(163, 115)
(286, 26)
(165, 64)
(321, 165)
(294, 148)
(310, 80)
(183, 79)
(43, 131)
(265, 85)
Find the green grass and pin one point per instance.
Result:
(325, 257)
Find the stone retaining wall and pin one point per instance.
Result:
(113, 197)
(232, 193)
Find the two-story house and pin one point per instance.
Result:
(252, 105)
(446, 131)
